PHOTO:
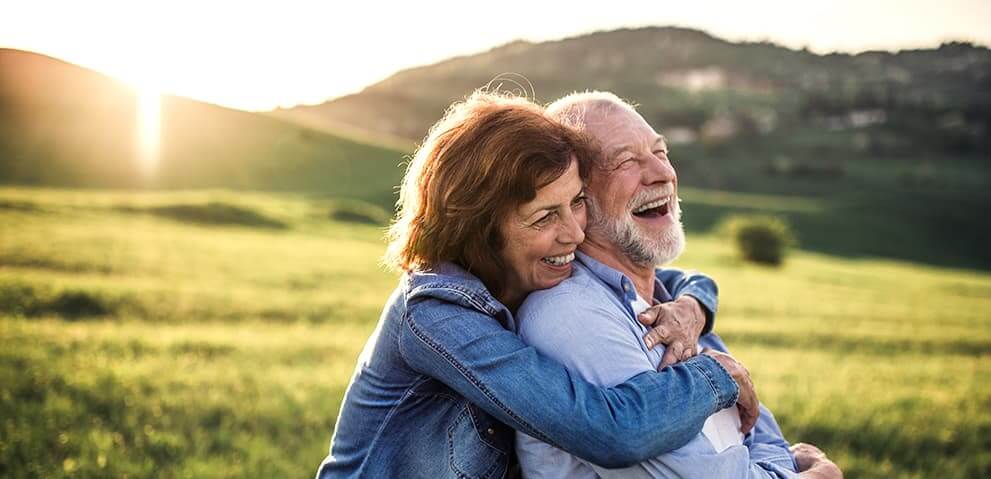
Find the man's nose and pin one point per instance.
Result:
(660, 170)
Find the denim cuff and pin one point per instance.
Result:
(725, 388)
(708, 304)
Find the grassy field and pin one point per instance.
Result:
(212, 334)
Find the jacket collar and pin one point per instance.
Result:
(452, 283)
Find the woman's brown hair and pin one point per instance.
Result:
(485, 157)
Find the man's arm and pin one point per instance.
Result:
(593, 343)
(649, 414)
(603, 345)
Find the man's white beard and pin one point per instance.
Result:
(638, 246)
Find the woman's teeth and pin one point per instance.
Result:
(559, 260)
(652, 205)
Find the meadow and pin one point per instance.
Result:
(212, 334)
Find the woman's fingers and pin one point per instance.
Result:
(746, 402)
(748, 405)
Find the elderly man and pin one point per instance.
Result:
(634, 224)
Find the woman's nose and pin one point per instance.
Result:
(572, 231)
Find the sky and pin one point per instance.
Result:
(262, 55)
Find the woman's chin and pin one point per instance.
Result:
(552, 275)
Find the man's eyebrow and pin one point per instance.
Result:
(617, 150)
(661, 140)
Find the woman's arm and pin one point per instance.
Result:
(652, 413)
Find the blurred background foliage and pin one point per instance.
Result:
(203, 321)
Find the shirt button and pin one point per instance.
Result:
(626, 287)
(490, 431)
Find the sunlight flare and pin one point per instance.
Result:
(149, 129)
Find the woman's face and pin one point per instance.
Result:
(541, 237)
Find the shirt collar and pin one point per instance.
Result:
(618, 283)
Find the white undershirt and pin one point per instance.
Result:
(722, 429)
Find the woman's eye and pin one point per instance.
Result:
(578, 201)
(544, 220)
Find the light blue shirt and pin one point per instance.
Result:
(588, 324)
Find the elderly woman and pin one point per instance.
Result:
(492, 208)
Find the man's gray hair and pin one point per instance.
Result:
(578, 108)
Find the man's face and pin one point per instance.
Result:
(633, 191)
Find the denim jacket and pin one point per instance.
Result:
(443, 381)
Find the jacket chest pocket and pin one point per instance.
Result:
(478, 445)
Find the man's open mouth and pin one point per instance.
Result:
(654, 209)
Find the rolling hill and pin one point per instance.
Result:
(692, 82)
(64, 125)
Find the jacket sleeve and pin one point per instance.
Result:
(696, 285)
(613, 426)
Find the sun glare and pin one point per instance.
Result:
(149, 129)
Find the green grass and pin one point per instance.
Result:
(210, 349)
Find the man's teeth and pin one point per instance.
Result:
(652, 205)
(560, 260)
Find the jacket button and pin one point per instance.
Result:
(490, 431)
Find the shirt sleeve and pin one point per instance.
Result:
(651, 413)
(600, 344)
(766, 442)
(695, 284)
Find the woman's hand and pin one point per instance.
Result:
(813, 464)
(747, 402)
(677, 325)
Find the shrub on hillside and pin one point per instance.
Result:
(759, 238)
(213, 213)
(30, 301)
(354, 211)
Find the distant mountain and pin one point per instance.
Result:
(64, 125)
(704, 88)
(892, 148)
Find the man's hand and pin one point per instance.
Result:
(747, 401)
(813, 464)
(677, 325)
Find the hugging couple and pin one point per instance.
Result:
(532, 332)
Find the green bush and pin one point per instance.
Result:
(30, 301)
(355, 211)
(759, 238)
(210, 214)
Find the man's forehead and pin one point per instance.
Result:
(619, 139)
(612, 116)
(610, 123)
